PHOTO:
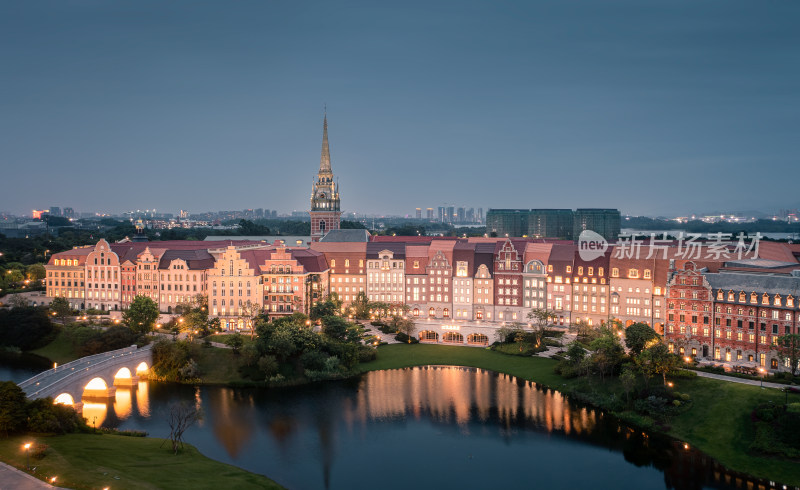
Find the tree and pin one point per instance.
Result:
(329, 307)
(360, 306)
(181, 416)
(607, 352)
(141, 315)
(60, 306)
(638, 336)
(656, 360)
(788, 347)
(404, 325)
(628, 380)
(540, 318)
(18, 301)
(35, 272)
(12, 408)
(235, 342)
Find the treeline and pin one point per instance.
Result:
(697, 226)
(25, 327)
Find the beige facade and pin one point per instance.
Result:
(102, 278)
(65, 276)
(234, 289)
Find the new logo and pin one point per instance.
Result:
(591, 245)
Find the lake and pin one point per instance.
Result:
(426, 427)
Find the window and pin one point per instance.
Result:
(614, 272)
(633, 273)
(647, 274)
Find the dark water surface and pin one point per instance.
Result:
(426, 428)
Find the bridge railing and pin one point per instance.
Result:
(77, 362)
(78, 367)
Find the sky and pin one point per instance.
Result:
(664, 107)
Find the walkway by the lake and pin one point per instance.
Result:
(11, 477)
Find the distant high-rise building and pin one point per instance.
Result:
(69, 213)
(429, 214)
(470, 217)
(605, 222)
(451, 214)
(480, 215)
(183, 214)
(507, 222)
(55, 211)
(442, 214)
(550, 223)
(461, 215)
(553, 223)
(37, 213)
(419, 213)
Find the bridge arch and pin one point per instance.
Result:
(142, 369)
(64, 399)
(98, 387)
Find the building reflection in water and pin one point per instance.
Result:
(449, 394)
(231, 416)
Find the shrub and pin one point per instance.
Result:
(44, 416)
(366, 354)
(268, 365)
(401, 337)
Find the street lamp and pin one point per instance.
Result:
(27, 448)
(761, 370)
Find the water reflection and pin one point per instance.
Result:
(449, 426)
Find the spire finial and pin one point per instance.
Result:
(325, 157)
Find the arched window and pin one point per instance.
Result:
(431, 312)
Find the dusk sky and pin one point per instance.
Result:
(655, 108)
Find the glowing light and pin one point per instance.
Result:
(64, 399)
(123, 373)
(97, 384)
(27, 445)
(142, 369)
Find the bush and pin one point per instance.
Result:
(366, 354)
(44, 416)
(313, 360)
(268, 365)
(401, 337)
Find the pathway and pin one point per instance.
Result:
(11, 477)
(734, 379)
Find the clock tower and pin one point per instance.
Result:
(325, 211)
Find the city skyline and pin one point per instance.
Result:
(205, 107)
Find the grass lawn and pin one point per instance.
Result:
(59, 350)
(221, 337)
(97, 461)
(717, 422)
(218, 366)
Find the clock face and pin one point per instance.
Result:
(322, 195)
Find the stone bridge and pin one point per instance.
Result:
(91, 377)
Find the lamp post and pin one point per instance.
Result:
(27, 448)
(761, 370)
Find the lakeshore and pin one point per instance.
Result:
(717, 421)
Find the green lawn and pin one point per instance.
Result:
(221, 337)
(717, 422)
(218, 366)
(97, 461)
(60, 350)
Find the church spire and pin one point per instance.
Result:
(325, 158)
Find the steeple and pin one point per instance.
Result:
(325, 158)
(325, 211)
